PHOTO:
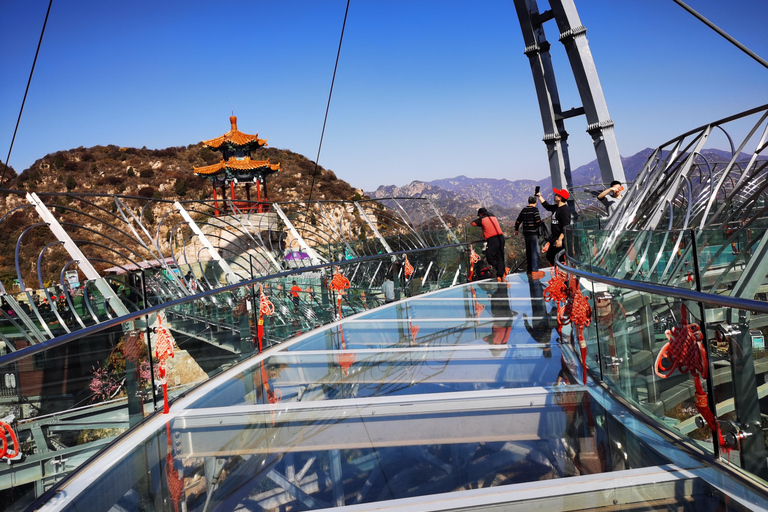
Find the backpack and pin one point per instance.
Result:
(482, 270)
(543, 231)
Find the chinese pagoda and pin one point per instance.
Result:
(237, 167)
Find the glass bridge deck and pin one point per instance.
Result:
(461, 399)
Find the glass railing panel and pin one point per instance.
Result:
(63, 405)
(632, 331)
(651, 256)
(739, 364)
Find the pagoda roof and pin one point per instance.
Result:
(245, 164)
(235, 137)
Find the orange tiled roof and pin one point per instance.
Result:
(246, 164)
(234, 136)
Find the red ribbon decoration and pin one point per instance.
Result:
(163, 351)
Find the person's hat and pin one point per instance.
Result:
(562, 193)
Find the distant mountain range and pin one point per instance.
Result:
(459, 195)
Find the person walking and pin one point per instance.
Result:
(494, 239)
(531, 220)
(561, 217)
(295, 290)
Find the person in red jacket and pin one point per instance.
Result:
(494, 238)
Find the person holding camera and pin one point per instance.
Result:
(561, 217)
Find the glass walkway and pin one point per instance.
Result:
(467, 398)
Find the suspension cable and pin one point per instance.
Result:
(722, 33)
(328, 105)
(40, 42)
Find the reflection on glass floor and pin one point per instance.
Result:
(462, 399)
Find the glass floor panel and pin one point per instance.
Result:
(381, 334)
(313, 459)
(298, 376)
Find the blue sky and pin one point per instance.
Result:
(424, 90)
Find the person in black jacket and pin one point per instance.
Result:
(561, 217)
(530, 219)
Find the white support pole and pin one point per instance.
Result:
(74, 251)
(313, 256)
(373, 227)
(228, 273)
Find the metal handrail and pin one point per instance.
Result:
(710, 299)
(76, 335)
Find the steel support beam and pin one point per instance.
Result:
(313, 256)
(230, 275)
(537, 51)
(74, 251)
(573, 35)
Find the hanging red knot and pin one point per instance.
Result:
(175, 480)
(339, 283)
(557, 291)
(408, 269)
(5, 453)
(163, 351)
(346, 360)
(266, 308)
(579, 313)
(273, 396)
(479, 308)
(473, 258)
(686, 351)
(414, 332)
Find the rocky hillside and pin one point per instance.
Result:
(167, 173)
(460, 194)
(143, 173)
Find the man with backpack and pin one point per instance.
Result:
(531, 220)
(494, 239)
